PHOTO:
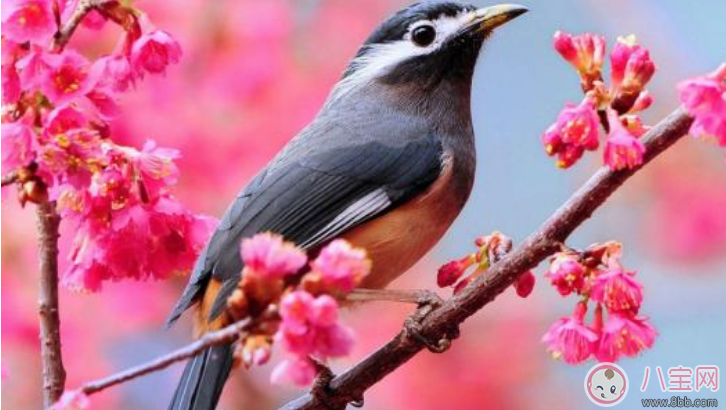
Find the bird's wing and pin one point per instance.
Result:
(310, 198)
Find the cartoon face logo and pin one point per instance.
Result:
(606, 384)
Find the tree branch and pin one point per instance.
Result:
(351, 385)
(225, 335)
(54, 375)
(64, 34)
(10, 178)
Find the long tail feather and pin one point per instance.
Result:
(203, 379)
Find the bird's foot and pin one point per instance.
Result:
(413, 325)
(321, 390)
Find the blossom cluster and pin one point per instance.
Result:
(576, 129)
(306, 322)
(57, 139)
(452, 274)
(617, 329)
(705, 99)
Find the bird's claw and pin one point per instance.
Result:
(320, 389)
(428, 302)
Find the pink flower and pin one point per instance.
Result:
(585, 52)
(570, 339)
(156, 168)
(575, 131)
(267, 254)
(10, 84)
(28, 20)
(119, 239)
(33, 69)
(618, 291)
(705, 99)
(71, 156)
(632, 67)
(18, 145)
(154, 51)
(567, 274)
(449, 273)
(72, 400)
(67, 77)
(342, 266)
(114, 72)
(623, 335)
(525, 284)
(63, 119)
(309, 327)
(622, 149)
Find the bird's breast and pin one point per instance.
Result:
(398, 239)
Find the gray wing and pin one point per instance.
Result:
(310, 197)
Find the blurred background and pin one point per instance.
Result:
(255, 71)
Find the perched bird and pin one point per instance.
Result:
(387, 164)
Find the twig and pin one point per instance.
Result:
(10, 178)
(63, 36)
(54, 375)
(225, 335)
(351, 384)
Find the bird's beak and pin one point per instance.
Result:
(487, 19)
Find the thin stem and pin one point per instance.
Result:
(10, 178)
(353, 383)
(225, 335)
(54, 375)
(64, 34)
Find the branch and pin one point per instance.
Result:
(10, 178)
(224, 335)
(54, 375)
(64, 34)
(350, 385)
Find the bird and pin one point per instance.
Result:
(387, 164)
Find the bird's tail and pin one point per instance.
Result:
(203, 379)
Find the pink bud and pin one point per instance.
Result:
(565, 45)
(154, 51)
(585, 52)
(622, 149)
(524, 284)
(451, 272)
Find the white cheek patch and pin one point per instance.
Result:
(380, 58)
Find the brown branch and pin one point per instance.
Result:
(350, 385)
(10, 178)
(64, 34)
(225, 335)
(54, 375)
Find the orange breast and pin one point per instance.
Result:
(400, 238)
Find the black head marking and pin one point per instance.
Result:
(396, 26)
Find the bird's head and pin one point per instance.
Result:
(424, 46)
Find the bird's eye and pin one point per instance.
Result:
(612, 389)
(423, 35)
